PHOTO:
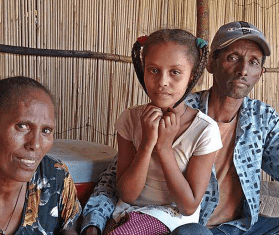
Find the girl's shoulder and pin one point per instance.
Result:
(130, 116)
(197, 114)
(197, 117)
(134, 111)
(128, 123)
(206, 118)
(136, 108)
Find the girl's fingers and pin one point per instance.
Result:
(152, 113)
(156, 114)
(167, 121)
(148, 108)
(157, 120)
(162, 124)
(170, 118)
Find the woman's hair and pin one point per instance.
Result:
(197, 55)
(13, 87)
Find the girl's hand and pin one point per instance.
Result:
(150, 120)
(168, 128)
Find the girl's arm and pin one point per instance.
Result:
(131, 169)
(187, 190)
(132, 166)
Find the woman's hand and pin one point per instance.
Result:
(150, 120)
(168, 128)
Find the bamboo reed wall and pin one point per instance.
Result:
(91, 93)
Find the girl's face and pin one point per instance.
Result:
(167, 72)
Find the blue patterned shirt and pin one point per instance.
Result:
(256, 148)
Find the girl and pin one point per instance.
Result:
(158, 140)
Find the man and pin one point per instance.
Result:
(250, 136)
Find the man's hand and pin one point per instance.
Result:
(68, 232)
(91, 230)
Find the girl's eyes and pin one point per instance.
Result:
(175, 72)
(155, 71)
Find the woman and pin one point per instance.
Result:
(37, 194)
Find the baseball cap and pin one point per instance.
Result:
(233, 31)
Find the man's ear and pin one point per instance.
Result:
(263, 71)
(210, 64)
(261, 74)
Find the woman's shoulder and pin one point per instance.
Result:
(45, 197)
(54, 163)
(50, 168)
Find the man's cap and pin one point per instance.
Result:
(231, 32)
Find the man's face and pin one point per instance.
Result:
(237, 69)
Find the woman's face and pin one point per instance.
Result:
(167, 72)
(26, 135)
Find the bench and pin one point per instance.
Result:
(85, 160)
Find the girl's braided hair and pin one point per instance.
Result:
(197, 54)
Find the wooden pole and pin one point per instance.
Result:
(202, 19)
(63, 53)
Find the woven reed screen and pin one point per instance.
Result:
(91, 93)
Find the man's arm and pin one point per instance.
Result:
(270, 161)
(101, 203)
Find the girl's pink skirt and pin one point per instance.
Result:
(136, 223)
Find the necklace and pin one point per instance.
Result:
(3, 232)
(184, 111)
